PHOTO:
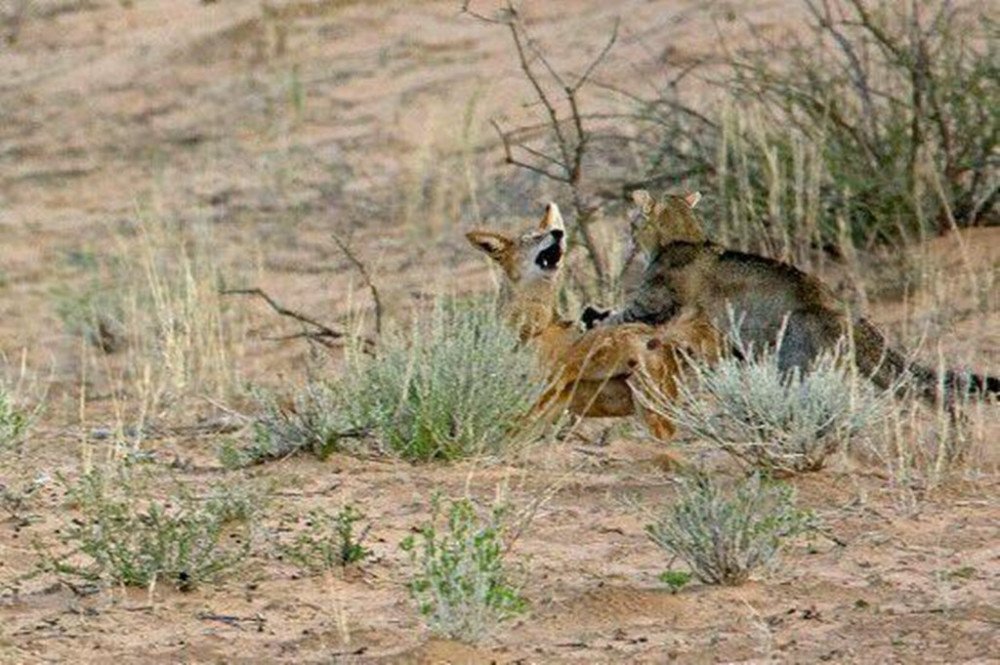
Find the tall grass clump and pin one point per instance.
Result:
(22, 398)
(182, 334)
(458, 383)
(773, 420)
(460, 580)
(725, 534)
(128, 536)
(920, 449)
(152, 303)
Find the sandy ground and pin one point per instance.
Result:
(274, 129)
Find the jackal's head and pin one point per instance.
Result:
(533, 256)
(658, 223)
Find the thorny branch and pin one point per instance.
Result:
(567, 166)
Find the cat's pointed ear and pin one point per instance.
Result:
(492, 244)
(643, 200)
(692, 199)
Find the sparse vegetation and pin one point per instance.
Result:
(128, 536)
(919, 451)
(460, 581)
(149, 181)
(13, 15)
(329, 540)
(725, 535)
(772, 420)
(457, 385)
(879, 121)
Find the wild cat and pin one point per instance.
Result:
(762, 298)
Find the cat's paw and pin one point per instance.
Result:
(592, 316)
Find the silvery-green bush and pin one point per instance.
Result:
(724, 535)
(128, 536)
(774, 420)
(456, 383)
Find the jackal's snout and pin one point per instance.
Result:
(550, 256)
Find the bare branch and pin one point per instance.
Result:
(857, 70)
(515, 29)
(868, 23)
(321, 332)
(510, 159)
(482, 17)
(600, 57)
(676, 106)
(366, 277)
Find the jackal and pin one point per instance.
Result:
(592, 373)
(759, 299)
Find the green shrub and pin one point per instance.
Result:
(724, 536)
(328, 540)
(458, 385)
(126, 536)
(460, 581)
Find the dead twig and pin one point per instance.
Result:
(321, 333)
(366, 277)
(235, 621)
(510, 159)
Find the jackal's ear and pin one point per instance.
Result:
(644, 200)
(492, 244)
(552, 219)
(692, 198)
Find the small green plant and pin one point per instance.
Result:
(724, 536)
(329, 540)
(460, 581)
(126, 536)
(14, 420)
(773, 420)
(458, 385)
(675, 579)
(313, 422)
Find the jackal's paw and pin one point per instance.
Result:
(592, 316)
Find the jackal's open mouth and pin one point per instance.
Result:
(548, 259)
